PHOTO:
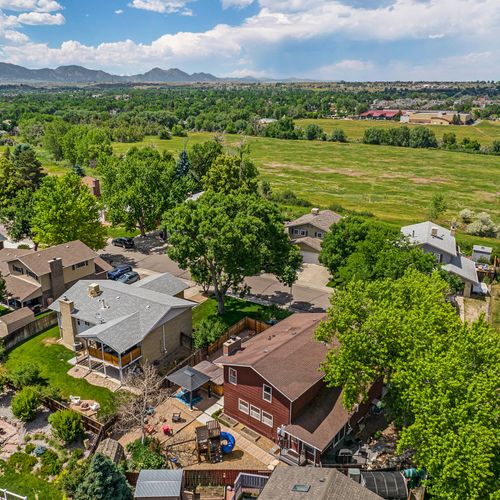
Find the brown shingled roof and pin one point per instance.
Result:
(286, 355)
(71, 253)
(22, 287)
(323, 220)
(17, 319)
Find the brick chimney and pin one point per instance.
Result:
(231, 346)
(56, 278)
(67, 324)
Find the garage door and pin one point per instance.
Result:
(310, 257)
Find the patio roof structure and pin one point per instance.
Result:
(190, 379)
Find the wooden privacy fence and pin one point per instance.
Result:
(89, 423)
(38, 325)
(243, 324)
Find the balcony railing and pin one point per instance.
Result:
(113, 359)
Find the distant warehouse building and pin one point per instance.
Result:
(380, 114)
(436, 118)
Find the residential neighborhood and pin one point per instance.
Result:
(249, 249)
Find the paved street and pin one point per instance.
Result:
(308, 294)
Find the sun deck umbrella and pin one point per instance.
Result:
(190, 379)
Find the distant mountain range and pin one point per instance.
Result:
(13, 73)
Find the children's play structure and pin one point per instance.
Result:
(212, 443)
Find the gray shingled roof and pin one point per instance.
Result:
(122, 314)
(463, 267)
(421, 234)
(188, 378)
(159, 484)
(324, 484)
(162, 283)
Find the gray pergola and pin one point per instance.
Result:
(190, 379)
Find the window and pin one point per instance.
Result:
(18, 269)
(233, 376)
(301, 488)
(295, 231)
(33, 275)
(254, 412)
(243, 406)
(267, 393)
(318, 234)
(80, 264)
(267, 419)
(303, 232)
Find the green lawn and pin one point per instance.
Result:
(53, 362)
(485, 132)
(117, 231)
(25, 483)
(236, 309)
(4, 310)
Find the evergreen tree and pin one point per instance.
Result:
(183, 165)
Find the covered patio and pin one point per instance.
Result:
(189, 379)
(110, 354)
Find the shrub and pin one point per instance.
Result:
(29, 448)
(26, 374)
(288, 197)
(147, 455)
(25, 404)
(338, 135)
(466, 215)
(67, 425)
(23, 246)
(51, 465)
(165, 134)
(22, 462)
(207, 331)
(483, 225)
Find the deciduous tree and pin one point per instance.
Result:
(226, 237)
(65, 210)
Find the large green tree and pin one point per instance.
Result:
(441, 375)
(65, 210)
(139, 187)
(223, 238)
(100, 479)
(203, 155)
(231, 173)
(17, 216)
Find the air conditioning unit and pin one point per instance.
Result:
(94, 290)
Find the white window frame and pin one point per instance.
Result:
(233, 376)
(296, 232)
(319, 234)
(256, 411)
(303, 232)
(267, 418)
(241, 406)
(264, 394)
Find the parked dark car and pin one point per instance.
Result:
(118, 271)
(129, 278)
(123, 242)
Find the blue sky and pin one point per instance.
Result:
(324, 39)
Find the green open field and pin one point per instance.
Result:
(485, 132)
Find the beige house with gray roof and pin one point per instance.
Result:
(308, 231)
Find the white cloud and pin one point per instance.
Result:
(160, 6)
(239, 4)
(280, 21)
(119, 11)
(187, 12)
(44, 18)
(16, 37)
(30, 5)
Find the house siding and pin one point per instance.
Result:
(157, 344)
(249, 389)
(309, 228)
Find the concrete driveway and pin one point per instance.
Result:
(308, 294)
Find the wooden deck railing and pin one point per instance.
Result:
(113, 359)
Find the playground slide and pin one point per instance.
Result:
(228, 447)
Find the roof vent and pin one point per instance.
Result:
(93, 290)
(148, 307)
(315, 211)
(434, 231)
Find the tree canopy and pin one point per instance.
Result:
(65, 210)
(139, 187)
(222, 238)
(441, 375)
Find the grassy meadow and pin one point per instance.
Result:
(485, 132)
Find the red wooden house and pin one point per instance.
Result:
(273, 384)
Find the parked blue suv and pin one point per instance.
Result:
(118, 271)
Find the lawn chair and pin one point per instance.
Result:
(75, 400)
(150, 430)
(95, 406)
(176, 417)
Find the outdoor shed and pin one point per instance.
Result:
(15, 321)
(388, 485)
(163, 484)
(112, 449)
(481, 253)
